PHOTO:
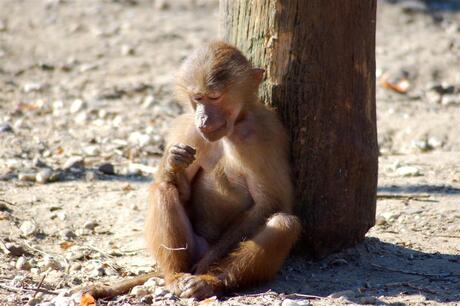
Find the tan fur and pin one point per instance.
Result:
(223, 221)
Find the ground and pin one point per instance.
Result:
(83, 83)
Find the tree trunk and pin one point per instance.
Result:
(319, 57)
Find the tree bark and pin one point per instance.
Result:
(319, 57)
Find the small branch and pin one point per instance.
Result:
(415, 273)
(304, 296)
(39, 285)
(7, 202)
(14, 289)
(175, 249)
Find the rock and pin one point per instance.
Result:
(139, 291)
(422, 145)
(22, 264)
(75, 267)
(33, 301)
(90, 225)
(379, 220)
(37, 162)
(92, 150)
(290, 302)
(390, 216)
(450, 100)
(127, 50)
(6, 128)
(77, 105)
(433, 97)
(74, 162)
(107, 168)
(413, 6)
(28, 228)
(32, 86)
(43, 176)
(49, 263)
(15, 250)
(139, 139)
(148, 101)
(148, 299)
(348, 294)
(408, 171)
(435, 142)
(160, 291)
(368, 300)
(81, 118)
(161, 5)
(68, 235)
(26, 177)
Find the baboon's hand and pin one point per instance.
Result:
(180, 156)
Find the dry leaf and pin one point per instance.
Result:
(66, 244)
(400, 85)
(87, 300)
(127, 188)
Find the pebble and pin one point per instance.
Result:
(68, 235)
(74, 162)
(22, 264)
(368, 300)
(290, 302)
(127, 50)
(90, 225)
(26, 177)
(346, 294)
(28, 228)
(408, 171)
(139, 139)
(160, 291)
(81, 118)
(33, 301)
(49, 263)
(148, 101)
(6, 128)
(435, 142)
(107, 168)
(43, 176)
(92, 150)
(15, 250)
(148, 299)
(32, 86)
(379, 220)
(139, 291)
(76, 106)
(450, 100)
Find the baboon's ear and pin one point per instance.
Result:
(258, 74)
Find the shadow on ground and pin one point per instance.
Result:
(374, 269)
(419, 188)
(429, 6)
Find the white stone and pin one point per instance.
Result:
(139, 291)
(76, 106)
(28, 228)
(408, 171)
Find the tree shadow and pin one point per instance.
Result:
(373, 269)
(420, 188)
(430, 6)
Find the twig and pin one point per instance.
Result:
(405, 198)
(413, 272)
(7, 202)
(175, 249)
(305, 296)
(445, 236)
(14, 289)
(408, 284)
(92, 247)
(39, 284)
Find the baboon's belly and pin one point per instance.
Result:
(218, 198)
